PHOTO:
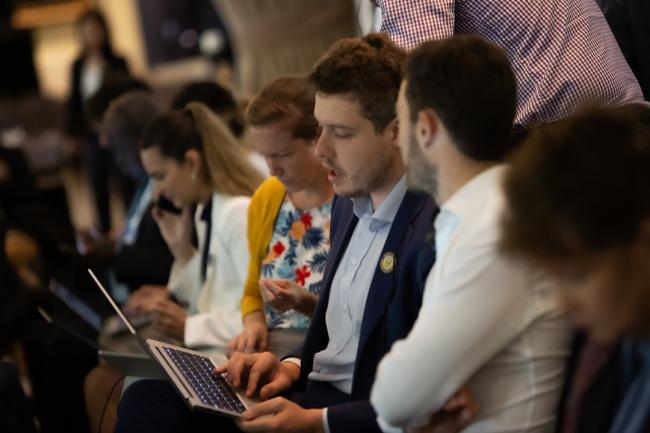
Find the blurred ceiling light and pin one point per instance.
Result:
(212, 42)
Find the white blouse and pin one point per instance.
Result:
(214, 316)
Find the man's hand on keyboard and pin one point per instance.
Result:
(260, 371)
(280, 415)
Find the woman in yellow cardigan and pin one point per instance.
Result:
(288, 220)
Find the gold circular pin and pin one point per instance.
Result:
(387, 262)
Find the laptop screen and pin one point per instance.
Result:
(117, 309)
(82, 309)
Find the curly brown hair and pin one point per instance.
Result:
(370, 69)
(580, 185)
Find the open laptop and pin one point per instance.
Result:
(130, 364)
(191, 372)
(111, 326)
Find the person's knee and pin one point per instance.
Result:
(141, 394)
(146, 405)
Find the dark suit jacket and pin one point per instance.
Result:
(392, 306)
(148, 260)
(76, 123)
(599, 403)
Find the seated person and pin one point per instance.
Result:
(139, 244)
(140, 241)
(192, 157)
(118, 257)
(487, 322)
(221, 101)
(217, 98)
(370, 296)
(288, 220)
(598, 254)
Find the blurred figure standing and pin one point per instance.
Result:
(96, 63)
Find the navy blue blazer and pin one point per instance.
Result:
(392, 306)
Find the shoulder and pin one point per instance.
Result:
(75, 67)
(229, 211)
(118, 62)
(268, 190)
(421, 207)
(341, 206)
(267, 196)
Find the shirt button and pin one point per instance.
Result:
(354, 262)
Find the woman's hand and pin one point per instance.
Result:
(285, 295)
(176, 230)
(254, 338)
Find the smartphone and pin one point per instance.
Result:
(165, 204)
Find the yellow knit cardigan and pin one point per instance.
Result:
(262, 213)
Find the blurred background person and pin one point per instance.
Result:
(96, 63)
(222, 102)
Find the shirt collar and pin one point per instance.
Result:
(385, 213)
(469, 197)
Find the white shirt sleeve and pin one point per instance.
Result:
(474, 304)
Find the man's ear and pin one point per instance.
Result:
(393, 129)
(426, 129)
(392, 132)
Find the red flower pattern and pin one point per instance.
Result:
(306, 219)
(302, 274)
(278, 248)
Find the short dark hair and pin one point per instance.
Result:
(579, 185)
(110, 90)
(469, 84)
(129, 116)
(216, 97)
(368, 68)
(289, 99)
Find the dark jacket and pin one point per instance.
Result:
(148, 260)
(630, 23)
(393, 303)
(76, 123)
(600, 401)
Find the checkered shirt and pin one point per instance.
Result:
(563, 53)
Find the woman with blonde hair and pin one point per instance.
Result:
(193, 158)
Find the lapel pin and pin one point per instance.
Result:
(387, 262)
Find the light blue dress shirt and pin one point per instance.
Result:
(350, 288)
(138, 207)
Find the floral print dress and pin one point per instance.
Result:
(297, 252)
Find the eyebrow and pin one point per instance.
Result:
(335, 126)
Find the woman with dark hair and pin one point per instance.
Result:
(193, 158)
(96, 64)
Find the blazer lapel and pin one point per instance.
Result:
(317, 336)
(384, 280)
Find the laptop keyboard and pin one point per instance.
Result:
(211, 389)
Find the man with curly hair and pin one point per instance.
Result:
(371, 293)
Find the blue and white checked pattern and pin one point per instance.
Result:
(563, 52)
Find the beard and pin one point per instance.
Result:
(421, 175)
